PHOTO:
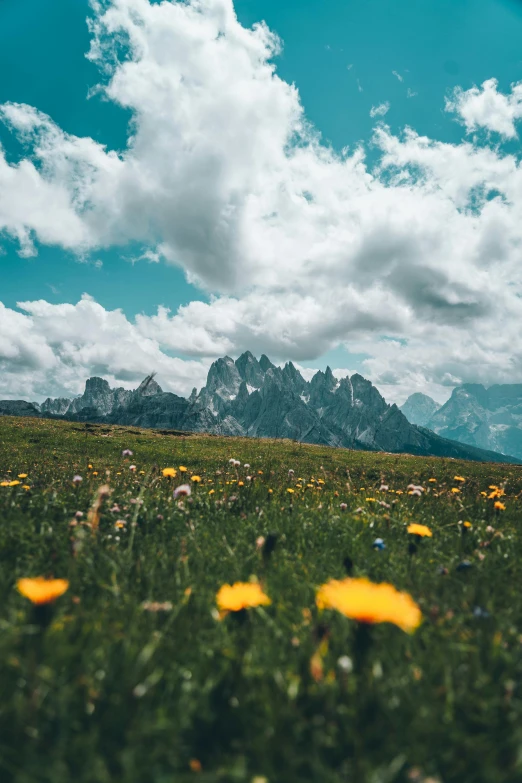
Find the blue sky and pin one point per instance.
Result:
(344, 57)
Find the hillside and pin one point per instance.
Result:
(132, 676)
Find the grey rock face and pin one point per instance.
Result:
(419, 408)
(258, 399)
(56, 407)
(18, 408)
(485, 418)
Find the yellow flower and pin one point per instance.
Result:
(240, 595)
(42, 591)
(90, 467)
(497, 493)
(4, 483)
(241, 483)
(368, 602)
(432, 480)
(467, 524)
(290, 490)
(195, 479)
(455, 490)
(23, 475)
(459, 478)
(211, 492)
(500, 506)
(95, 473)
(182, 469)
(170, 472)
(14, 483)
(26, 486)
(298, 486)
(419, 530)
(270, 491)
(371, 500)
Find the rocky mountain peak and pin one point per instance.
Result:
(419, 408)
(265, 363)
(250, 370)
(148, 387)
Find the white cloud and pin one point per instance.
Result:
(51, 349)
(303, 248)
(380, 110)
(486, 107)
(399, 77)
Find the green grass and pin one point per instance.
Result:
(109, 691)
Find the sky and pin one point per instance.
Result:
(329, 182)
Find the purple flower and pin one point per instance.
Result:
(77, 479)
(126, 453)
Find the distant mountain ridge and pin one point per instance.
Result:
(488, 418)
(255, 398)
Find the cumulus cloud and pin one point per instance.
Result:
(301, 247)
(486, 107)
(380, 110)
(50, 349)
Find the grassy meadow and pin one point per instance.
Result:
(133, 676)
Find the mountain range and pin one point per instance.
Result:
(254, 398)
(488, 418)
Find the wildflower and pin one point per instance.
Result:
(459, 478)
(77, 480)
(467, 525)
(383, 488)
(455, 490)
(182, 491)
(343, 506)
(211, 491)
(89, 466)
(195, 765)
(195, 479)
(14, 483)
(42, 591)
(498, 505)
(241, 483)
(23, 475)
(432, 480)
(132, 468)
(4, 483)
(246, 465)
(379, 544)
(120, 524)
(156, 606)
(419, 530)
(290, 490)
(368, 602)
(291, 473)
(415, 489)
(240, 595)
(182, 469)
(371, 500)
(270, 491)
(126, 453)
(26, 486)
(345, 664)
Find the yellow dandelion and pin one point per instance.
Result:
(270, 491)
(419, 530)
(499, 506)
(95, 473)
(371, 500)
(241, 483)
(23, 475)
(182, 469)
(90, 467)
(368, 602)
(455, 490)
(26, 486)
(170, 472)
(432, 480)
(42, 591)
(211, 492)
(195, 479)
(14, 483)
(459, 478)
(290, 490)
(467, 524)
(4, 483)
(240, 595)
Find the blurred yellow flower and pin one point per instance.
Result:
(4, 483)
(14, 483)
(290, 490)
(23, 475)
(182, 469)
(419, 530)
(89, 466)
(455, 490)
(368, 602)
(432, 480)
(211, 492)
(42, 591)
(170, 472)
(241, 483)
(467, 524)
(459, 478)
(240, 595)
(195, 479)
(499, 506)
